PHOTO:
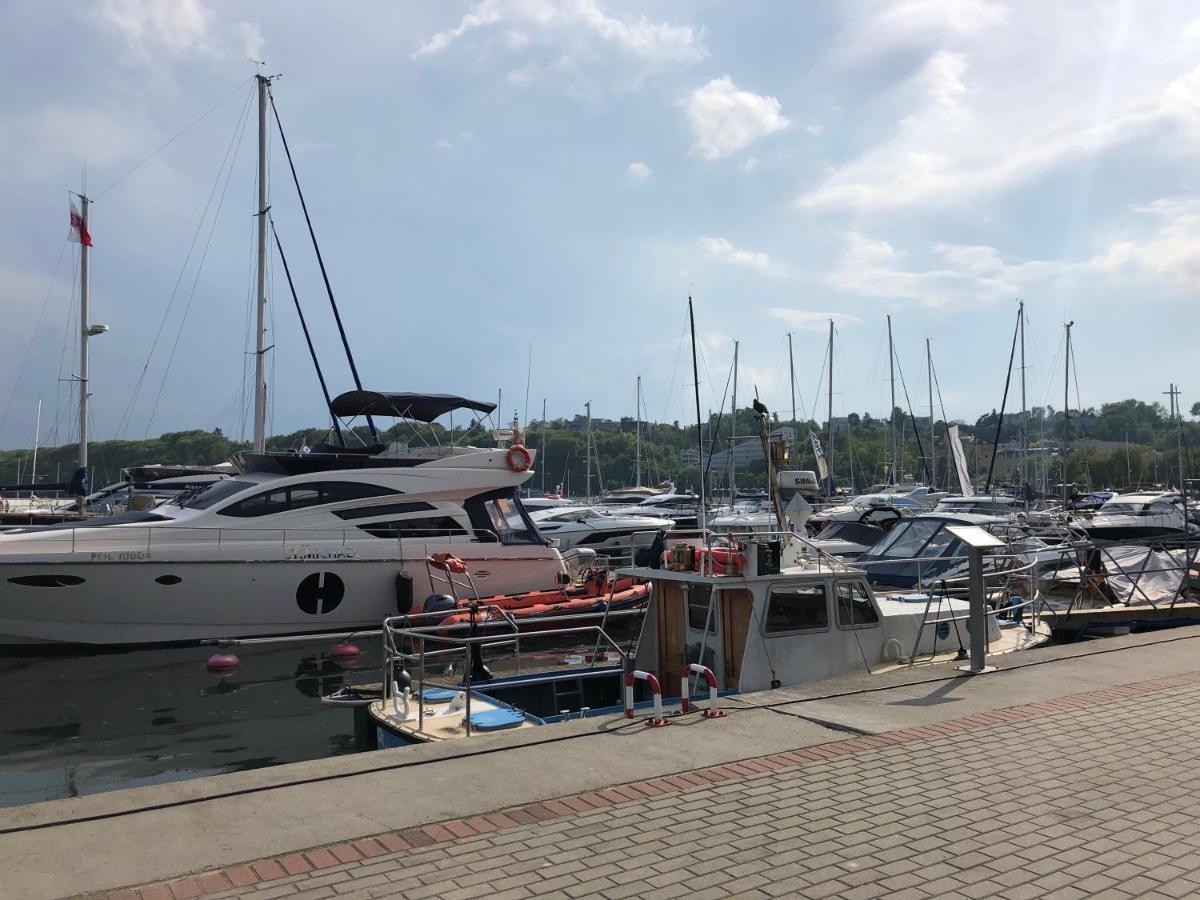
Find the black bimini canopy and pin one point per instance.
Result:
(422, 407)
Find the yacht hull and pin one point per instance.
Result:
(169, 601)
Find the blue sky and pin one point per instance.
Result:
(493, 175)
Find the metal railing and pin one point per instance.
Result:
(405, 644)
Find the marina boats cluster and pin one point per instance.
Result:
(500, 610)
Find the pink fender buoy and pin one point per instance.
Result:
(223, 664)
(344, 653)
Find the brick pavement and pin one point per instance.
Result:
(1090, 794)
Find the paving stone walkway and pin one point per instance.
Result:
(1092, 794)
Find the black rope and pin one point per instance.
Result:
(987, 488)
(307, 337)
(320, 262)
(916, 431)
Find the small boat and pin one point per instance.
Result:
(440, 714)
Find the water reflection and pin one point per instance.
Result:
(83, 723)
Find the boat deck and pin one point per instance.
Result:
(915, 781)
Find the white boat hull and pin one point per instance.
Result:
(169, 600)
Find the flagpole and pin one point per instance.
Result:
(84, 334)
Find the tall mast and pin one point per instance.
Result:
(932, 454)
(637, 471)
(542, 458)
(588, 407)
(829, 423)
(895, 472)
(85, 253)
(733, 431)
(260, 362)
(699, 430)
(1024, 416)
(792, 382)
(1066, 411)
(37, 439)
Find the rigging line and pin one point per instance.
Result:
(1012, 355)
(304, 326)
(716, 428)
(320, 260)
(61, 383)
(33, 335)
(913, 421)
(812, 413)
(186, 129)
(196, 280)
(127, 416)
(675, 371)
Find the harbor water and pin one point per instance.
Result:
(82, 723)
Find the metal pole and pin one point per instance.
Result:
(1024, 418)
(895, 473)
(932, 455)
(792, 382)
(1066, 412)
(701, 518)
(637, 471)
(84, 299)
(829, 437)
(588, 407)
(260, 369)
(978, 614)
(733, 431)
(543, 463)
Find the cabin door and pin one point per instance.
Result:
(736, 607)
(671, 600)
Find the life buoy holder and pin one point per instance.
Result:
(518, 458)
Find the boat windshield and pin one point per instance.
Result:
(906, 541)
(1122, 509)
(214, 493)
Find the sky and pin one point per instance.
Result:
(519, 196)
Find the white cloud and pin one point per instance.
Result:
(1160, 254)
(528, 21)
(251, 39)
(814, 130)
(898, 24)
(720, 250)
(638, 171)
(179, 27)
(749, 165)
(980, 114)
(805, 320)
(725, 119)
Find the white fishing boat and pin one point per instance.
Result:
(296, 542)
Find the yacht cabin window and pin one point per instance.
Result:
(221, 490)
(797, 608)
(430, 527)
(507, 521)
(854, 606)
(300, 496)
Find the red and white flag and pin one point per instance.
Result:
(79, 233)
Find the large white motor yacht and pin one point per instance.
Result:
(294, 543)
(1132, 517)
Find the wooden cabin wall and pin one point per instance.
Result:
(736, 611)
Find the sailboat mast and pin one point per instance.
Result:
(588, 407)
(637, 457)
(829, 422)
(543, 453)
(932, 454)
(260, 362)
(37, 439)
(733, 431)
(895, 472)
(792, 379)
(85, 252)
(1066, 411)
(699, 428)
(1024, 416)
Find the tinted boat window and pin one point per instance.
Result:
(222, 490)
(854, 606)
(432, 527)
(300, 496)
(797, 609)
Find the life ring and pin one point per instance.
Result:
(518, 458)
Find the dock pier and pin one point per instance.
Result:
(1065, 773)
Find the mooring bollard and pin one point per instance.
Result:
(713, 711)
(657, 720)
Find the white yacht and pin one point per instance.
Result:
(1131, 517)
(683, 509)
(612, 534)
(294, 543)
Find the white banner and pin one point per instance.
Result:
(960, 463)
(822, 466)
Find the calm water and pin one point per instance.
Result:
(82, 724)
